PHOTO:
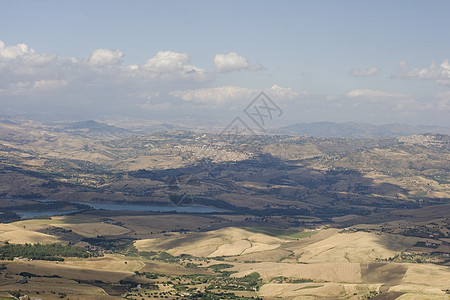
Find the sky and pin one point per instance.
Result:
(363, 61)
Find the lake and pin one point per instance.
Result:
(26, 214)
(153, 208)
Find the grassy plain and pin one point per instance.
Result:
(292, 263)
(305, 218)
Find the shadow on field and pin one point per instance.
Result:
(387, 296)
(294, 189)
(389, 274)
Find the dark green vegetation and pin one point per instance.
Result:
(53, 252)
(283, 279)
(220, 286)
(114, 245)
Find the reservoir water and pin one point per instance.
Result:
(28, 214)
(152, 208)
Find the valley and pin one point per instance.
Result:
(241, 217)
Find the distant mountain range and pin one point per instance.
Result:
(92, 129)
(108, 129)
(358, 130)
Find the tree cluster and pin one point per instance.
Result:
(53, 252)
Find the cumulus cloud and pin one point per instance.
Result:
(234, 94)
(230, 62)
(22, 60)
(233, 62)
(217, 95)
(104, 57)
(96, 83)
(373, 94)
(440, 74)
(49, 84)
(22, 54)
(33, 87)
(374, 71)
(285, 93)
(101, 84)
(12, 52)
(169, 65)
(167, 61)
(22, 64)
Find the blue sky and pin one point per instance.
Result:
(364, 61)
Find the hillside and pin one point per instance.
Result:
(324, 177)
(291, 217)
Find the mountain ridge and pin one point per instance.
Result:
(358, 130)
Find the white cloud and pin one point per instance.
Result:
(230, 62)
(101, 71)
(217, 95)
(361, 105)
(374, 71)
(37, 60)
(446, 67)
(440, 74)
(23, 55)
(101, 84)
(133, 67)
(23, 64)
(33, 87)
(282, 93)
(12, 52)
(104, 57)
(40, 83)
(233, 62)
(49, 84)
(167, 61)
(234, 94)
(171, 65)
(371, 94)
